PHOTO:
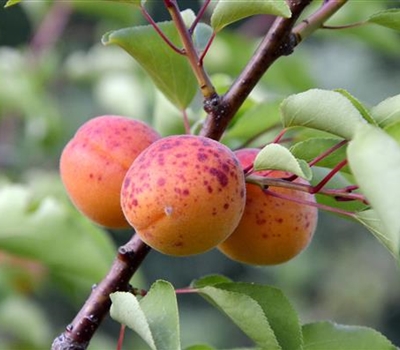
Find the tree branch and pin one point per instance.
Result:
(77, 335)
(280, 40)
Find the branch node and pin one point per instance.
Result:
(212, 104)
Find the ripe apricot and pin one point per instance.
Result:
(272, 230)
(94, 162)
(184, 194)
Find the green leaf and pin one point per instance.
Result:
(125, 308)
(210, 280)
(387, 112)
(374, 158)
(12, 2)
(323, 110)
(388, 18)
(74, 249)
(133, 2)
(200, 347)
(373, 223)
(278, 157)
(201, 36)
(331, 336)
(227, 12)
(394, 130)
(357, 104)
(161, 310)
(170, 71)
(281, 315)
(259, 119)
(245, 312)
(154, 317)
(313, 147)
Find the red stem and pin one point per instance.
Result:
(205, 51)
(160, 32)
(326, 179)
(199, 16)
(312, 204)
(327, 152)
(121, 337)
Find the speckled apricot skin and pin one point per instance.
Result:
(94, 162)
(272, 230)
(184, 194)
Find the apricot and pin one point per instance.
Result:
(271, 230)
(184, 194)
(94, 162)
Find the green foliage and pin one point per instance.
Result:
(323, 110)
(154, 317)
(389, 18)
(277, 157)
(44, 229)
(311, 148)
(226, 13)
(331, 336)
(262, 312)
(374, 159)
(12, 2)
(387, 112)
(170, 71)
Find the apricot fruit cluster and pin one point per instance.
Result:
(184, 194)
(94, 162)
(272, 230)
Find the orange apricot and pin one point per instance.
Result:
(184, 194)
(272, 230)
(94, 162)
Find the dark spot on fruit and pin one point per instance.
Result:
(221, 176)
(226, 206)
(261, 221)
(91, 175)
(279, 220)
(202, 157)
(185, 192)
(225, 167)
(161, 181)
(135, 202)
(209, 189)
(127, 182)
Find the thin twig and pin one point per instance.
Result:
(205, 84)
(160, 32)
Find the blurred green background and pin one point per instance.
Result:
(55, 75)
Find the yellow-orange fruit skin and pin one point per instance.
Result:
(271, 230)
(94, 162)
(184, 194)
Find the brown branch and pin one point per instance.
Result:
(78, 334)
(280, 40)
